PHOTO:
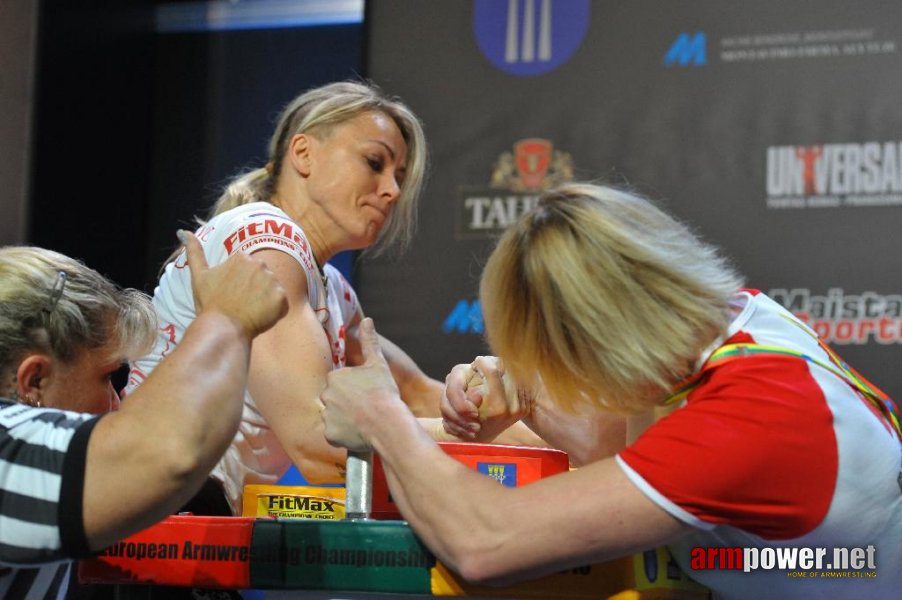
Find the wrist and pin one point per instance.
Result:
(435, 428)
(390, 421)
(227, 323)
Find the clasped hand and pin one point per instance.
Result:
(480, 401)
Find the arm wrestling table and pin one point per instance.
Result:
(321, 550)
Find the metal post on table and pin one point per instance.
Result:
(359, 485)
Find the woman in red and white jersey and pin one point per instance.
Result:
(346, 166)
(747, 436)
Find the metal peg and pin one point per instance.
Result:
(359, 485)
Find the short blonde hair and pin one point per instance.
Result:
(603, 298)
(318, 111)
(91, 312)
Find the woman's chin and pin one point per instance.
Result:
(371, 234)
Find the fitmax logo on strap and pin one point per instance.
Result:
(529, 37)
(688, 50)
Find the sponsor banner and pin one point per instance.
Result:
(843, 318)
(214, 552)
(834, 175)
(529, 37)
(294, 502)
(773, 131)
(692, 48)
(347, 555)
(799, 45)
(517, 178)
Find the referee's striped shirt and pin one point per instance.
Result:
(42, 467)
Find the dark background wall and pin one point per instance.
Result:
(711, 112)
(217, 95)
(18, 49)
(93, 127)
(136, 129)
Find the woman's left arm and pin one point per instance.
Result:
(423, 395)
(486, 532)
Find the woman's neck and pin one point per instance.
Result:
(304, 215)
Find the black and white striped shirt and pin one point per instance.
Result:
(42, 467)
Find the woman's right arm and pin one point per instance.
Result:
(288, 371)
(144, 461)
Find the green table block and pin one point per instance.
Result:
(364, 556)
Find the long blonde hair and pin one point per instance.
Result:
(61, 315)
(319, 110)
(603, 298)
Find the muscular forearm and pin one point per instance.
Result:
(478, 528)
(147, 459)
(584, 437)
(493, 534)
(422, 394)
(419, 391)
(454, 525)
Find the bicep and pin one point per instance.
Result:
(288, 371)
(112, 461)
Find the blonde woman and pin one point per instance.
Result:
(346, 165)
(73, 482)
(597, 302)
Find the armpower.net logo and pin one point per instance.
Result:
(797, 562)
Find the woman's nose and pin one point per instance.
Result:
(391, 190)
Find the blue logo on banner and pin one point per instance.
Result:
(687, 50)
(529, 37)
(466, 317)
(503, 473)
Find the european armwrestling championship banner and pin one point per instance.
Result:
(773, 127)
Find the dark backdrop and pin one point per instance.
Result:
(773, 127)
(136, 130)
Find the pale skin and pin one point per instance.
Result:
(584, 516)
(340, 188)
(586, 436)
(183, 428)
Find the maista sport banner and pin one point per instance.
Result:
(773, 127)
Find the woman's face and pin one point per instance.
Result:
(355, 176)
(84, 384)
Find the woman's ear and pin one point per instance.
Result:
(32, 374)
(298, 154)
